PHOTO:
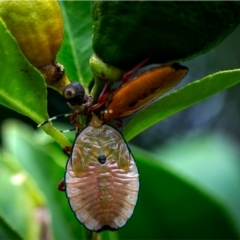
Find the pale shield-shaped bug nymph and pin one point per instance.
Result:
(101, 178)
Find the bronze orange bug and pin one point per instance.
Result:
(135, 93)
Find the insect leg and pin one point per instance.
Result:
(127, 75)
(67, 150)
(101, 101)
(104, 95)
(119, 123)
(105, 88)
(61, 186)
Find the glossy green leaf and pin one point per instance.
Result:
(26, 201)
(107, 235)
(172, 206)
(212, 162)
(6, 232)
(45, 161)
(77, 46)
(45, 164)
(22, 87)
(185, 97)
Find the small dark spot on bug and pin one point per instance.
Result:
(102, 159)
(132, 104)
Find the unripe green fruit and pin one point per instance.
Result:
(126, 33)
(103, 70)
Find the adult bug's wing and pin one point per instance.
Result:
(143, 89)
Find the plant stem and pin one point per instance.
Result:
(56, 135)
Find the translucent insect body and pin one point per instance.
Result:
(101, 178)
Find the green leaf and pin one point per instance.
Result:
(107, 235)
(22, 87)
(187, 96)
(44, 161)
(6, 232)
(172, 206)
(22, 201)
(210, 161)
(77, 46)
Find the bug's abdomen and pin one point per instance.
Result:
(103, 196)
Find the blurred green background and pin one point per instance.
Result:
(189, 168)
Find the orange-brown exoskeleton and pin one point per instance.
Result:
(135, 93)
(101, 178)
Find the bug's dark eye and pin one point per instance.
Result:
(102, 159)
(74, 94)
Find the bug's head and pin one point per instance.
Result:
(74, 94)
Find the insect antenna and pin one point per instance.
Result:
(68, 130)
(54, 118)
